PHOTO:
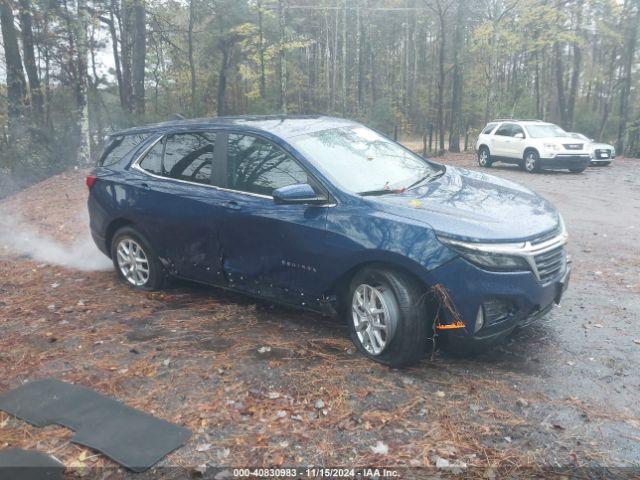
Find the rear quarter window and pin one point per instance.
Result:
(119, 147)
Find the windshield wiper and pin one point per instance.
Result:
(430, 176)
(381, 191)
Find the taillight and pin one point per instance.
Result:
(91, 179)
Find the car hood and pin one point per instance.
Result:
(474, 206)
(604, 146)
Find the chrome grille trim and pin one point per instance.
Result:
(545, 250)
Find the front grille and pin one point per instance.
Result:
(551, 264)
(600, 151)
(573, 146)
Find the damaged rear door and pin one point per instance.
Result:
(266, 249)
(180, 207)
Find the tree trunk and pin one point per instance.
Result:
(559, 71)
(192, 65)
(631, 40)
(82, 105)
(222, 81)
(113, 13)
(283, 60)
(126, 45)
(456, 92)
(139, 56)
(441, 77)
(16, 85)
(334, 60)
(359, 54)
(575, 74)
(263, 81)
(344, 59)
(37, 103)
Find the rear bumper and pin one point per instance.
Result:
(470, 287)
(100, 242)
(566, 161)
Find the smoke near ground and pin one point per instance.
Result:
(17, 236)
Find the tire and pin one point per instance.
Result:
(531, 161)
(484, 158)
(132, 240)
(577, 170)
(404, 312)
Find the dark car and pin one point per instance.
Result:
(328, 215)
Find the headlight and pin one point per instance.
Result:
(551, 146)
(490, 256)
(563, 227)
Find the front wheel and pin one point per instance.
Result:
(484, 159)
(577, 170)
(388, 317)
(531, 161)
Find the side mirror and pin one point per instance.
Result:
(299, 193)
(519, 135)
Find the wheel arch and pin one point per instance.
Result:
(484, 145)
(113, 227)
(530, 149)
(340, 286)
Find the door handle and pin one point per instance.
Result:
(145, 185)
(233, 205)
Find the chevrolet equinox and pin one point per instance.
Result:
(328, 215)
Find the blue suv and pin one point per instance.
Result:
(328, 215)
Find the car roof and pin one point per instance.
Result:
(285, 126)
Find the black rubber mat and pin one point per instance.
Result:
(16, 463)
(132, 438)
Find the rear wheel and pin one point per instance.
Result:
(531, 161)
(484, 158)
(135, 261)
(388, 317)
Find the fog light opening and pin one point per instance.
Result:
(479, 320)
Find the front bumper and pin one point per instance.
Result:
(470, 287)
(597, 161)
(562, 161)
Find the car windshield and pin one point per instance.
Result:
(546, 131)
(360, 160)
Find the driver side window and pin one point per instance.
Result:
(258, 166)
(504, 130)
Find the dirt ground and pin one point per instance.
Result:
(262, 385)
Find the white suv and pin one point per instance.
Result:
(532, 144)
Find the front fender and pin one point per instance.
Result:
(356, 239)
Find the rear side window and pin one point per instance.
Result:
(152, 161)
(119, 147)
(189, 156)
(516, 129)
(257, 166)
(489, 128)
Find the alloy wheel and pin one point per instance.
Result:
(133, 262)
(530, 162)
(483, 158)
(373, 316)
